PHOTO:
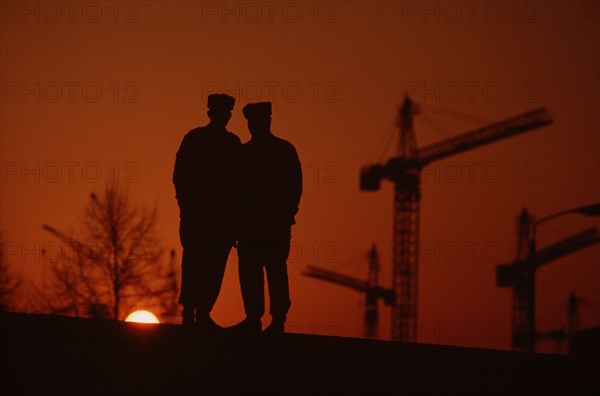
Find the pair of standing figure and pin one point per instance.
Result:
(231, 192)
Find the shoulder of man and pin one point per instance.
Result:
(286, 146)
(197, 130)
(234, 138)
(204, 133)
(193, 134)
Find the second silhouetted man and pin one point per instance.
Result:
(270, 189)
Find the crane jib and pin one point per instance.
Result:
(484, 135)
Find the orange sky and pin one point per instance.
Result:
(103, 86)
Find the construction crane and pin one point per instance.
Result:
(404, 171)
(518, 276)
(373, 292)
(573, 325)
(79, 247)
(574, 321)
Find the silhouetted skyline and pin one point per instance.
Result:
(85, 101)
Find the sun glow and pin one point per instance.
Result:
(142, 317)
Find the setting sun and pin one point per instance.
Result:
(142, 317)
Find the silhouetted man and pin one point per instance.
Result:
(204, 184)
(271, 183)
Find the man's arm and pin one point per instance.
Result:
(182, 172)
(294, 180)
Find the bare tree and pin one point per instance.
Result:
(114, 265)
(9, 282)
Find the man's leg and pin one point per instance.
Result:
(211, 269)
(189, 274)
(186, 295)
(277, 277)
(251, 283)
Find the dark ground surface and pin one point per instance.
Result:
(43, 354)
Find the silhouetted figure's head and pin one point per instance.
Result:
(259, 118)
(219, 109)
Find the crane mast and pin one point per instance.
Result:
(407, 198)
(371, 311)
(524, 288)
